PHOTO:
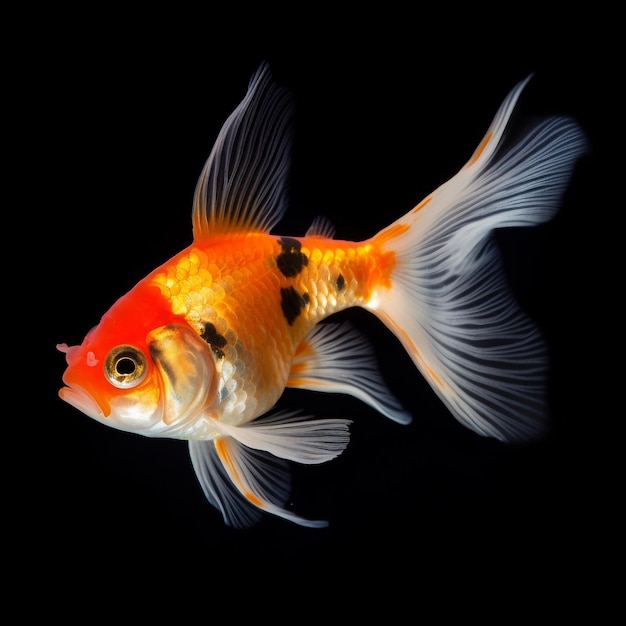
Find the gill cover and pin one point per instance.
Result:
(187, 376)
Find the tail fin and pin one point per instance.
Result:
(449, 302)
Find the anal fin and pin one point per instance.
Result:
(336, 358)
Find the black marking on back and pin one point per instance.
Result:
(214, 339)
(292, 303)
(291, 260)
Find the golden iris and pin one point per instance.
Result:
(125, 367)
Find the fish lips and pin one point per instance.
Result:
(75, 393)
(81, 399)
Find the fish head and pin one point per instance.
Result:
(134, 373)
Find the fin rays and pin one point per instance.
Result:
(450, 303)
(242, 186)
(244, 470)
(335, 358)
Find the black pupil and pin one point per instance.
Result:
(125, 366)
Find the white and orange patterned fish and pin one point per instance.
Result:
(202, 348)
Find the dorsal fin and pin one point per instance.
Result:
(242, 186)
(321, 227)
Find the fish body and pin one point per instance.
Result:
(202, 348)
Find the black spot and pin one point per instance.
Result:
(214, 339)
(341, 282)
(292, 303)
(291, 260)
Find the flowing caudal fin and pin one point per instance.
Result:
(449, 302)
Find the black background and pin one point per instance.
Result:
(389, 106)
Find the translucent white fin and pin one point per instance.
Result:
(243, 470)
(242, 186)
(220, 490)
(321, 226)
(449, 302)
(241, 482)
(290, 436)
(336, 358)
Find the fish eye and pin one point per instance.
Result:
(125, 367)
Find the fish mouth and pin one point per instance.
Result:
(80, 399)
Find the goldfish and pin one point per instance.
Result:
(203, 347)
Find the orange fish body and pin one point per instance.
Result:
(254, 299)
(203, 347)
